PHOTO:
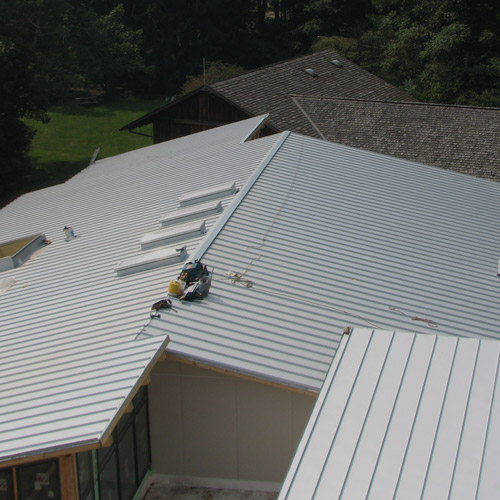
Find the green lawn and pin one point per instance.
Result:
(65, 145)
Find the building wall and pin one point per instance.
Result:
(201, 111)
(207, 424)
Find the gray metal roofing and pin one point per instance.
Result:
(403, 416)
(68, 327)
(333, 236)
(460, 138)
(268, 89)
(328, 235)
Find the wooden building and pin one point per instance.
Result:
(269, 89)
(200, 110)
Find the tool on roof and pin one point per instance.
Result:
(163, 304)
(69, 233)
(192, 283)
(239, 278)
(176, 287)
(198, 280)
(192, 271)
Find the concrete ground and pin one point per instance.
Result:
(181, 492)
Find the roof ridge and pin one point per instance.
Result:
(414, 103)
(280, 63)
(228, 212)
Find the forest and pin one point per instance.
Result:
(437, 50)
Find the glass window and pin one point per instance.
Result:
(142, 441)
(103, 454)
(85, 475)
(39, 481)
(126, 459)
(139, 396)
(123, 465)
(123, 424)
(108, 476)
(6, 485)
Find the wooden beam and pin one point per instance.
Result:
(107, 442)
(68, 475)
(14, 484)
(14, 462)
(242, 375)
(129, 408)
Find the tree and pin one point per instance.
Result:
(47, 46)
(105, 52)
(215, 71)
(348, 47)
(179, 34)
(440, 50)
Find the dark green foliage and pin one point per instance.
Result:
(47, 46)
(437, 50)
(15, 168)
(441, 50)
(179, 34)
(215, 71)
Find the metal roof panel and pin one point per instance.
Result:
(402, 415)
(69, 344)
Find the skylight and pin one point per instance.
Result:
(337, 63)
(190, 213)
(163, 236)
(150, 260)
(311, 72)
(206, 194)
(15, 253)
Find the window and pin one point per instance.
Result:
(38, 481)
(121, 467)
(6, 485)
(16, 252)
(142, 441)
(85, 469)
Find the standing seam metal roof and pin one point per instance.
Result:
(403, 416)
(69, 346)
(331, 236)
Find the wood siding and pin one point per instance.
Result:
(201, 111)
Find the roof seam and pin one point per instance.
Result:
(228, 212)
(385, 101)
(256, 128)
(301, 109)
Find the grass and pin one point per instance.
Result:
(65, 145)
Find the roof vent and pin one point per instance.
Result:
(150, 260)
(311, 72)
(337, 63)
(16, 252)
(158, 238)
(206, 194)
(190, 213)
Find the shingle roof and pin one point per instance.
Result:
(69, 351)
(460, 138)
(403, 416)
(268, 89)
(332, 236)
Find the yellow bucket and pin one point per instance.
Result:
(174, 287)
